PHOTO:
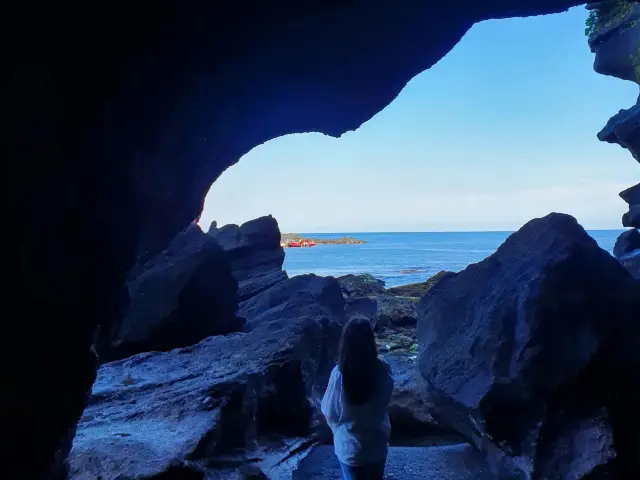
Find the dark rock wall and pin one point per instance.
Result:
(179, 297)
(117, 119)
(530, 355)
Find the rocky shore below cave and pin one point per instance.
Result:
(206, 388)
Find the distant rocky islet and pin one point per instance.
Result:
(287, 239)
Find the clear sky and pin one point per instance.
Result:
(503, 129)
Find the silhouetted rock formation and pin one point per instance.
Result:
(183, 295)
(254, 252)
(210, 406)
(532, 355)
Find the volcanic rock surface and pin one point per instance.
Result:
(179, 297)
(532, 355)
(254, 252)
(226, 402)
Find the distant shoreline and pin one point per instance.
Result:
(397, 232)
(287, 238)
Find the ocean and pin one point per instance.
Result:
(401, 258)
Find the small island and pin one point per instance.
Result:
(295, 240)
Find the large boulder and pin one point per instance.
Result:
(254, 252)
(229, 400)
(178, 298)
(532, 355)
(303, 295)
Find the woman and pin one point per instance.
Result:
(355, 404)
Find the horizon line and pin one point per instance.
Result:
(622, 229)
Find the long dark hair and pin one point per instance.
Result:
(358, 361)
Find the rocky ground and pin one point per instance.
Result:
(392, 312)
(440, 462)
(238, 397)
(240, 387)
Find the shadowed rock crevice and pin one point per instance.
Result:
(289, 415)
(177, 298)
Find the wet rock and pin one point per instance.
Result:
(224, 402)
(530, 355)
(254, 252)
(397, 341)
(359, 285)
(365, 296)
(395, 310)
(300, 296)
(417, 289)
(183, 295)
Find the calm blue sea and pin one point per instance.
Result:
(401, 258)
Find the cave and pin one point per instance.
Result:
(117, 121)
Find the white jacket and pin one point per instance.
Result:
(360, 432)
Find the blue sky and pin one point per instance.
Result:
(503, 129)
